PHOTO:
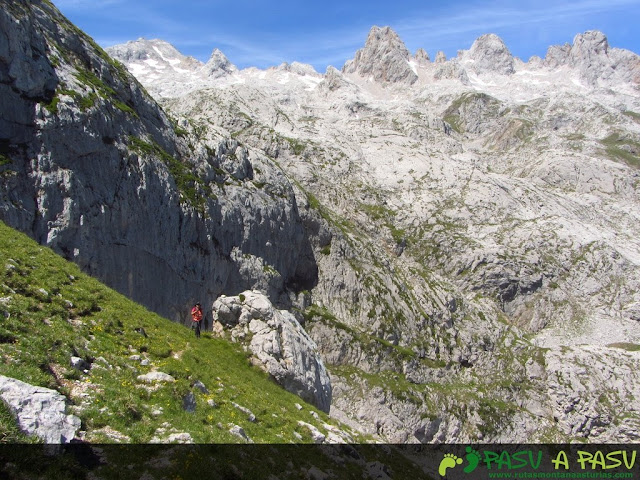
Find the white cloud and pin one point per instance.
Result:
(70, 5)
(487, 18)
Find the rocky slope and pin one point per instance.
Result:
(474, 222)
(94, 168)
(458, 238)
(80, 363)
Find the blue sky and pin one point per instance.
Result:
(266, 33)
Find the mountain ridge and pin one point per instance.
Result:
(486, 186)
(461, 250)
(387, 59)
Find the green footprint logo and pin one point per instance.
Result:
(473, 457)
(449, 461)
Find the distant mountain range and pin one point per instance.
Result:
(458, 238)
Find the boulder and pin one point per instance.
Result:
(40, 411)
(153, 377)
(278, 343)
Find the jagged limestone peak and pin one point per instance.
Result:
(440, 57)
(490, 54)
(589, 43)
(421, 56)
(384, 57)
(218, 65)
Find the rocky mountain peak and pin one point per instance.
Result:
(384, 56)
(589, 43)
(153, 57)
(557, 55)
(218, 65)
(422, 56)
(143, 49)
(489, 54)
(298, 68)
(594, 61)
(440, 57)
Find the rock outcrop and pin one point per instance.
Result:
(489, 54)
(218, 65)
(100, 173)
(278, 343)
(421, 56)
(384, 57)
(39, 411)
(594, 61)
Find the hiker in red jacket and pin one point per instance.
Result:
(196, 315)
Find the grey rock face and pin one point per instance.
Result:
(279, 344)
(594, 392)
(594, 61)
(102, 177)
(333, 80)
(26, 76)
(490, 54)
(589, 54)
(218, 65)
(156, 52)
(451, 70)
(422, 56)
(385, 57)
(40, 411)
(189, 403)
(557, 55)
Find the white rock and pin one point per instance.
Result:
(153, 377)
(40, 411)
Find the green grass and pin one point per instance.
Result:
(193, 189)
(50, 311)
(622, 149)
(634, 115)
(101, 89)
(373, 345)
(629, 347)
(454, 121)
(297, 146)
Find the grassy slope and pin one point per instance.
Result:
(50, 311)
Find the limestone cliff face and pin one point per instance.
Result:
(489, 53)
(94, 168)
(595, 62)
(384, 57)
(450, 245)
(278, 343)
(462, 228)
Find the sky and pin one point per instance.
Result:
(265, 33)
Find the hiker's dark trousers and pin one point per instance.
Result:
(197, 327)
